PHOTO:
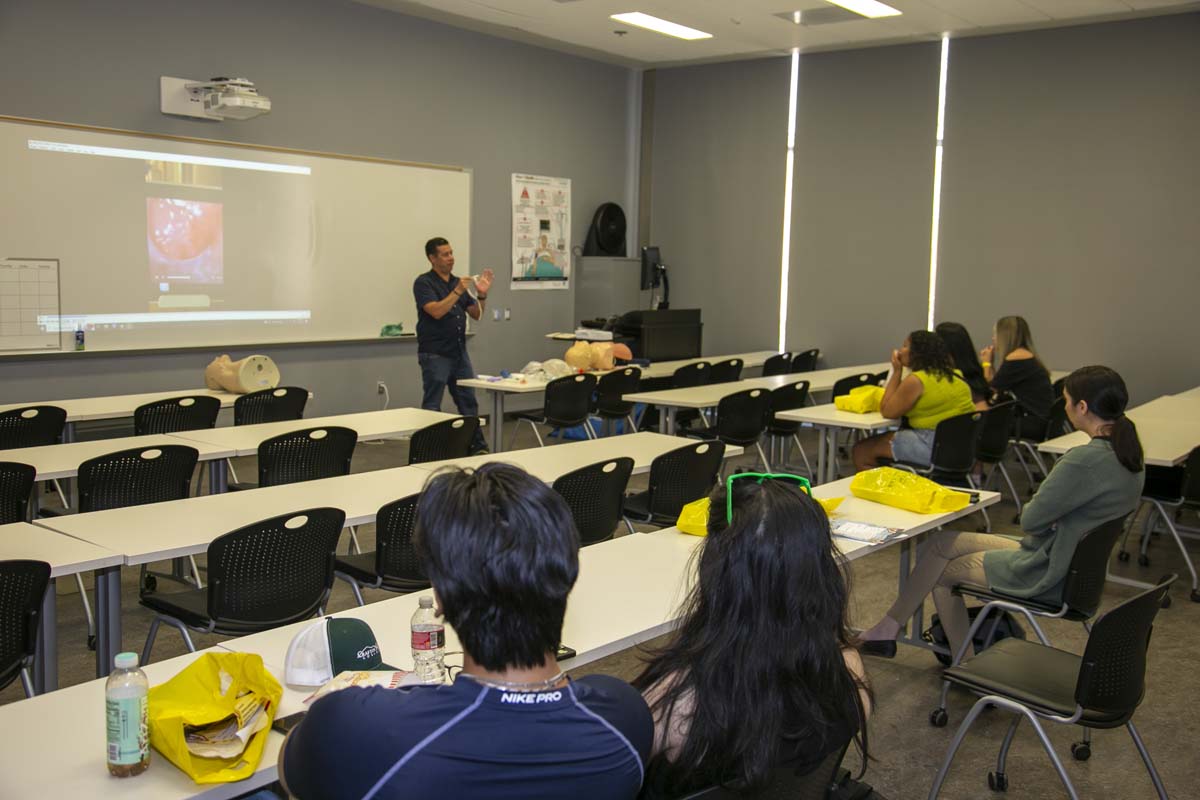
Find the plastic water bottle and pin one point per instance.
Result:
(125, 705)
(428, 643)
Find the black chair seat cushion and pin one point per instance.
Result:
(637, 506)
(361, 567)
(241, 486)
(1164, 483)
(1041, 677)
(536, 415)
(191, 608)
(987, 593)
(782, 427)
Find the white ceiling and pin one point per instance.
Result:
(750, 28)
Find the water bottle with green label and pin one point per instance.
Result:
(126, 704)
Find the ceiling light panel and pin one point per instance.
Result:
(871, 9)
(663, 26)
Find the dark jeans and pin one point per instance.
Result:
(441, 372)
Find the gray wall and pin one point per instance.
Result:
(342, 78)
(720, 140)
(1072, 194)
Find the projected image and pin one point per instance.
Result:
(185, 241)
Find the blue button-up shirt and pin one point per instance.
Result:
(446, 336)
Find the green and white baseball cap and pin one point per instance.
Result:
(330, 646)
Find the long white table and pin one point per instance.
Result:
(1168, 426)
(86, 409)
(828, 420)
(66, 556)
(499, 388)
(711, 394)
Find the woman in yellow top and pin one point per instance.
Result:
(933, 391)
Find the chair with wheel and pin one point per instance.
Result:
(34, 426)
(1169, 490)
(779, 364)
(393, 566)
(176, 414)
(726, 371)
(741, 419)
(16, 489)
(450, 438)
(781, 432)
(676, 478)
(23, 586)
(596, 496)
(806, 361)
(610, 389)
(698, 373)
(568, 404)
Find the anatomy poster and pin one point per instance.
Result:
(541, 237)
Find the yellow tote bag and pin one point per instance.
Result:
(693, 518)
(203, 693)
(861, 400)
(901, 489)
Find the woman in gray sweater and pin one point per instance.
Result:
(1090, 485)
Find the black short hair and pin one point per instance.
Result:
(433, 244)
(501, 550)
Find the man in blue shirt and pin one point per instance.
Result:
(443, 304)
(502, 553)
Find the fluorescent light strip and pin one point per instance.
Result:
(867, 8)
(149, 155)
(935, 226)
(663, 26)
(785, 261)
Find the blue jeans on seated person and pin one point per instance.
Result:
(441, 372)
(914, 445)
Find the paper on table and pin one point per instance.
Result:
(388, 679)
(862, 531)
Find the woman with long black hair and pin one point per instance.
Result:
(962, 351)
(1091, 484)
(762, 670)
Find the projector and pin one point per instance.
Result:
(216, 98)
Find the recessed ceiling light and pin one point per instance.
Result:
(867, 8)
(662, 26)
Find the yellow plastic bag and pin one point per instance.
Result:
(830, 504)
(861, 400)
(693, 518)
(901, 489)
(204, 692)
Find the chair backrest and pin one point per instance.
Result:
(276, 571)
(306, 455)
(879, 377)
(450, 438)
(280, 404)
(395, 554)
(1057, 423)
(16, 487)
(844, 385)
(176, 414)
(136, 477)
(689, 375)
(1088, 570)
(780, 364)
(614, 385)
(785, 398)
(32, 426)
(725, 371)
(595, 494)
(1112, 672)
(814, 784)
(22, 586)
(993, 434)
(569, 400)
(742, 416)
(806, 361)
(954, 444)
(683, 475)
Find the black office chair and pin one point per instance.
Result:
(612, 386)
(568, 403)
(726, 371)
(780, 364)
(23, 586)
(1083, 589)
(698, 373)
(818, 783)
(879, 377)
(393, 565)
(844, 385)
(280, 404)
(16, 487)
(449, 438)
(676, 479)
(993, 445)
(780, 431)
(806, 361)
(175, 414)
(595, 494)
(261, 576)
(1100, 689)
(955, 441)
(305, 455)
(741, 419)
(34, 426)
(1170, 488)
(1029, 432)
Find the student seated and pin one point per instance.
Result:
(966, 361)
(934, 391)
(1011, 365)
(1089, 485)
(761, 671)
(502, 554)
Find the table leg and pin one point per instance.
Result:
(497, 421)
(108, 618)
(831, 454)
(45, 662)
(68, 484)
(218, 476)
(669, 419)
(820, 476)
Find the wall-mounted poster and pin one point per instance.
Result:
(541, 236)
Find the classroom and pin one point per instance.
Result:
(806, 177)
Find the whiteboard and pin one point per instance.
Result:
(174, 242)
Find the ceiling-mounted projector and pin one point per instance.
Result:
(216, 98)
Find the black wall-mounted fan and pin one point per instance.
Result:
(606, 237)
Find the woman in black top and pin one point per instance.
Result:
(762, 671)
(1011, 365)
(962, 350)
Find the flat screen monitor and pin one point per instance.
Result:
(650, 261)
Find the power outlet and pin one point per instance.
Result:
(495, 315)
(507, 314)
(380, 387)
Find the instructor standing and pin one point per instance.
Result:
(443, 303)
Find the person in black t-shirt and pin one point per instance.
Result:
(762, 670)
(1011, 365)
(962, 350)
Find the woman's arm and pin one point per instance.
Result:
(1065, 489)
(899, 396)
